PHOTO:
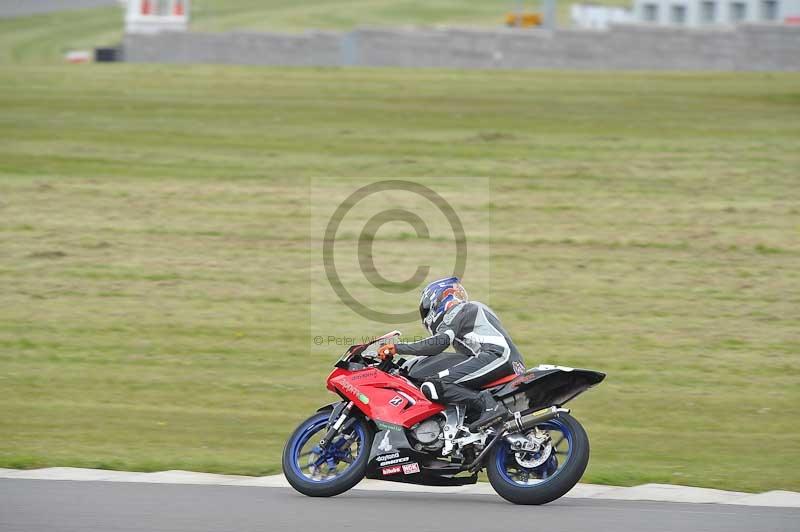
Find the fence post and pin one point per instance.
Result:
(349, 48)
(549, 14)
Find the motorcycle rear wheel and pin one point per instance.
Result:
(304, 468)
(551, 479)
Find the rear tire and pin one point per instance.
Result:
(552, 488)
(326, 488)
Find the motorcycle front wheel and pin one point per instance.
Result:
(538, 478)
(318, 472)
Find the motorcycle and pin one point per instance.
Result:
(385, 428)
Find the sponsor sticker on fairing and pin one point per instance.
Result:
(349, 388)
(385, 445)
(383, 425)
(364, 374)
(411, 468)
(387, 461)
(391, 470)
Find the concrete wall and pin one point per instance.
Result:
(241, 48)
(629, 47)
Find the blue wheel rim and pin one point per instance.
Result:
(335, 453)
(559, 457)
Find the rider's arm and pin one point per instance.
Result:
(433, 345)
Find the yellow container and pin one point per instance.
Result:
(523, 20)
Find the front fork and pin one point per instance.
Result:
(336, 421)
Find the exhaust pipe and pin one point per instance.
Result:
(522, 423)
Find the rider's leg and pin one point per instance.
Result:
(459, 383)
(430, 367)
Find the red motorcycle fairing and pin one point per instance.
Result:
(382, 397)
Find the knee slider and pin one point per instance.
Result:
(432, 389)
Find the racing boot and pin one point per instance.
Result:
(491, 412)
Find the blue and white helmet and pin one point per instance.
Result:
(437, 298)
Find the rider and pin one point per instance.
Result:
(484, 351)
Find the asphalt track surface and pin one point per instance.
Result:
(21, 8)
(69, 506)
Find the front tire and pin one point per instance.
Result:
(300, 465)
(553, 478)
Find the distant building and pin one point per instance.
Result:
(596, 17)
(715, 12)
(153, 16)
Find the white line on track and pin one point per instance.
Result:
(645, 492)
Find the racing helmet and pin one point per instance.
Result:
(437, 298)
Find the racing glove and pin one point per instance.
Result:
(387, 351)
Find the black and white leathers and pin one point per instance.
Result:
(483, 352)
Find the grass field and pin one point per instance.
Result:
(45, 38)
(155, 254)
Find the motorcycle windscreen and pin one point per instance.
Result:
(358, 349)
